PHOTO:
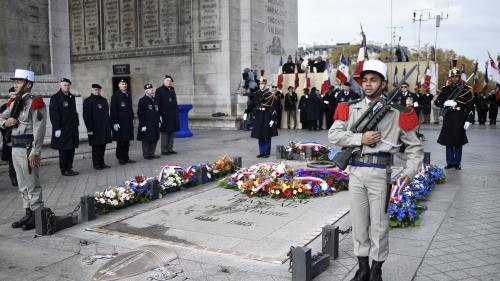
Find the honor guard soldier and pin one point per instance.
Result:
(122, 120)
(64, 119)
(6, 146)
(169, 113)
(149, 119)
(368, 186)
(264, 124)
(98, 123)
(25, 119)
(457, 101)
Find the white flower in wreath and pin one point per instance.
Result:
(239, 183)
(110, 194)
(308, 186)
(316, 148)
(281, 168)
(252, 177)
(324, 186)
(102, 200)
(114, 202)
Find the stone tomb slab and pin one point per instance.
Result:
(226, 221)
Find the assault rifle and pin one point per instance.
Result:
(17, 107)
(457, 90)
(368, 121)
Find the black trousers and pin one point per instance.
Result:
(66, 159)
(98, 155)
(482, 116)
(122, 148)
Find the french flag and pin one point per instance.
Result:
(495, 74)
(395, 77)
(362, 56)
(296, 80)
(418, 83)
(342, 70)
(280, 75)
(486, 78)
(463, 76)
(326, 82)
(475, 84)
(427, 78)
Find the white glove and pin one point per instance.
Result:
(116, 127)
(450, 103)
(57, 133)
(307, 97)
(271, 123)
(466, 125)
(159, 124)
(326, 102)
(143, 129)
(245, 116)
(90, 133)
(415, 104)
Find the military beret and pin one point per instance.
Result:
(96, 86)
(168, 76)
(148, 86)
(65, 80)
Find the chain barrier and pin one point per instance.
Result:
(346, 231)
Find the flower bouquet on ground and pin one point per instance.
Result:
(113, 198)
(405, 209)
(142, 187)
(224, 166)
(191, 178)
(171, 178)
(318, 151)
(337, 179)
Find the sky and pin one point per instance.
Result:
(471, 29)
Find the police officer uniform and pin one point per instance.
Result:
(368, 186)
(266, 114)
(98, 123)
(64, 119)
(456, 120)
(169, 112)
(149, 119)
(122, 120)
(26, 141)
(6, 146)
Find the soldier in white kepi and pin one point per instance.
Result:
(25, 118)
(368, 186)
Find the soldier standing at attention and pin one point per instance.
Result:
(456, 120)
(64, 119)
(368, 186)
(264, 125)
(149, 120)
(98, 123)
(122, 118)
(169, 114)
(26, 117)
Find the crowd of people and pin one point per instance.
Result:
(23, 123)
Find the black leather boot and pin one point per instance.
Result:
(23, 220)
(376, 271)
(363, 272)
(30, 224)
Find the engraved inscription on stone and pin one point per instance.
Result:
(92, 25)
(150, 23)
(111, 24)
(77, 26)
(169, 21)
(209, 20)
(128, 26)
(276, 15)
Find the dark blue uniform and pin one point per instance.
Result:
(169, 112)
(98, 123)
(63, 116)
(149, 118)
(123, 115)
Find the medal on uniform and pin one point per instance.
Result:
(65, 104)
(150, 107)
(123, 104)
(169, 99)
(156, 107)
(99, 106)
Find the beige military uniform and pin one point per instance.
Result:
(27, 139)
(368, 185)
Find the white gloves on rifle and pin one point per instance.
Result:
(116, 127)
(326, 102)
(415, 104)
(466, 125)
(57, 133)
(271, 123)
(450, 103)
(143, 129)
(244, 116)
(90, 133)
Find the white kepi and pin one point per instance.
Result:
(375, 66)
(23, 74)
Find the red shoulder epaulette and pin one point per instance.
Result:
(342, 112)
(408, 120)
(37, 103)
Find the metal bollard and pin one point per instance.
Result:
(304, 267)
(279, 151)
(41, 220)
(201, 175)
(330, 241)
(237, 162)
(308, 152)
(87, 208)
(427, 158)
(155, 189)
